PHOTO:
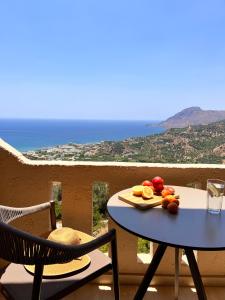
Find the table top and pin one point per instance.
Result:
(192, 227)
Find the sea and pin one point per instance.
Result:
(33, 134)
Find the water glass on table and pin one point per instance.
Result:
(215, 193)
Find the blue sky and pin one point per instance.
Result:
(110, 59)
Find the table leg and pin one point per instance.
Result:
(195, 274)
(176, 281)
(150, 272)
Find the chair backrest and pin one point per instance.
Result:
(23, 248)
(9, 214)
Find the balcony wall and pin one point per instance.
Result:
(24, 182)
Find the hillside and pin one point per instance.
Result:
(193, 144)
(193, 116)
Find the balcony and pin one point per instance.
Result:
(24, 182)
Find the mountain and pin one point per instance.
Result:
(193, 116)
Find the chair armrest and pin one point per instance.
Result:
(46, 251)
(83, 249)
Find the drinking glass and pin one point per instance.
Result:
(215, 192)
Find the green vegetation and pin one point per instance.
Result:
(57, 196)
(100, 197)
(104, 248)
(143, 246)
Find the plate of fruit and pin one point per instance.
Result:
(152, 193)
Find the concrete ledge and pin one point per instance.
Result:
(6, 147)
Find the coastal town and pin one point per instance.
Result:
(192, 144)
(84, 151)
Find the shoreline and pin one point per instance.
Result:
(34, 135)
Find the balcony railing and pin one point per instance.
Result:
(24, 182)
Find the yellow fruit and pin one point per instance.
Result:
(147, 192)
(137, 190)
(170, 197)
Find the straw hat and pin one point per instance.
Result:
(66, 236)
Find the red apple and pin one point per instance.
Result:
(158, 187)
(157, 180)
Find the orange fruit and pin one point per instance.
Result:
(172, 190)
(147, 192)
(165, 203)
(175, 201)
(165, 192)
(137, 190)
(147, 183)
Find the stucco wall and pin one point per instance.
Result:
(24, 182)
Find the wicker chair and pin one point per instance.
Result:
(19, 248)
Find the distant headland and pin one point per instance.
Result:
(193, 116)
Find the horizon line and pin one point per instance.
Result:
(70, 119)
